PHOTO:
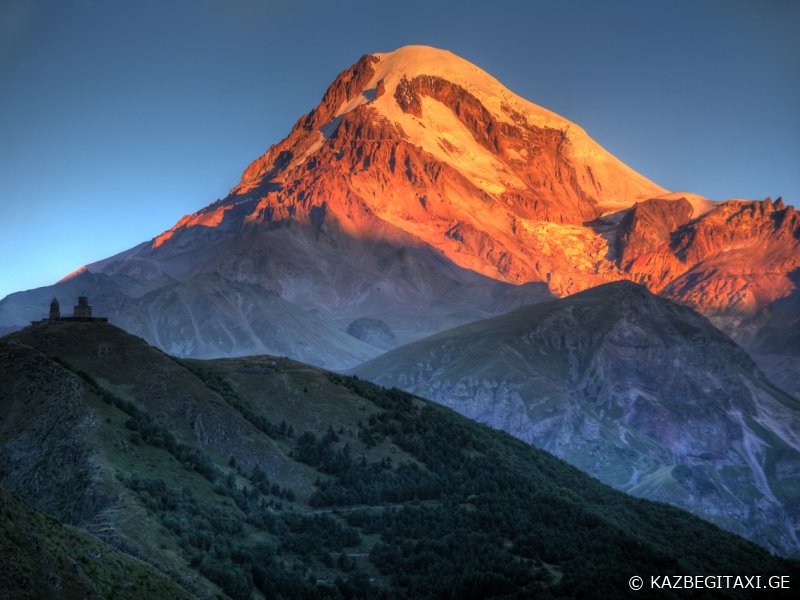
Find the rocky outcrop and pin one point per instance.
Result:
(646, 229)
(739, 257)
(372, 331)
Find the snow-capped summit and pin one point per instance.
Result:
(464, 117)
(607, 177)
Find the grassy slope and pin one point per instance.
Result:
(392, 495)
(40, 558)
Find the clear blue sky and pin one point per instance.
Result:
(117, 118)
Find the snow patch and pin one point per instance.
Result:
(619, 182)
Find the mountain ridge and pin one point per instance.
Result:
(640, 392)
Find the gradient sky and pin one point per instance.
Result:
(117, 118)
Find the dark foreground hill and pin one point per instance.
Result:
(41, 558)
(264, 476)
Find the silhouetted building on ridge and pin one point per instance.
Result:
(55, 310)
(82, 311)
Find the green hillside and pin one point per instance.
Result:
(40, 558)
(264, 477)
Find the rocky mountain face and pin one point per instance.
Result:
(261, 476)
(422, 193)
(744, 263)
(642, 393)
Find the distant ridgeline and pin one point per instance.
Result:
(80, 312)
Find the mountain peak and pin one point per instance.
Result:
(412, 61)
(607, 179)
(451, 105)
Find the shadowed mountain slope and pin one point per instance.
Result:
(642, 393)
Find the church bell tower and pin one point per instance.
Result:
(55, 310)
